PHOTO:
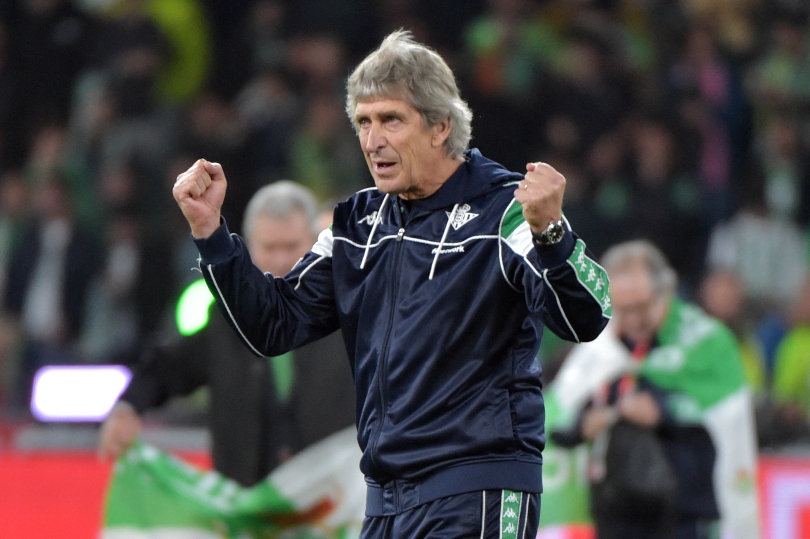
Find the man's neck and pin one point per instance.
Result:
(444, 168)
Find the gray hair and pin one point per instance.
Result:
(278, 200)
(403, 69)
(624, 255)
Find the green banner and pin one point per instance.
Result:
(319, 494)
(565, 485)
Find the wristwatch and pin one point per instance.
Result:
(553, 233)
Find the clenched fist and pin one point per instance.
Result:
(199, 192)
(541, 195)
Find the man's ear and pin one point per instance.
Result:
(440, 132)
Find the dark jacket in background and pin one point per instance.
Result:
(251, 431)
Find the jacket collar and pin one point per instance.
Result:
(475, 176)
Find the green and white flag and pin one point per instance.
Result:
(565, 482)
(565, 512)
(318, 494)
(698, 364)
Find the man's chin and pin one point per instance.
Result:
(387, 185)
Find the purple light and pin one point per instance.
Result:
(77, 392)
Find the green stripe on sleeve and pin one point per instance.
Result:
(512, 219)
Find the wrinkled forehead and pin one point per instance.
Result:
(382, 104)
(379, 91)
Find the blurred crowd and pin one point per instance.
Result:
(684, 122)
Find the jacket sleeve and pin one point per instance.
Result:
(169, 370)
(272, 315)
(562, 283)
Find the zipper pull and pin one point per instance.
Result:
(400, 234)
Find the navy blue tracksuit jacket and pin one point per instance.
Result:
(442, 303)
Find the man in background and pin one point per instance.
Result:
(665, 365)
(262, 410)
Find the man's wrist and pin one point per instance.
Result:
(552, 234)
(554, 254)
(205, 231)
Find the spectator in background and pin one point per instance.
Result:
(324, 153)
(47, 48)
(230, 25)
(508, 53)
(13, 211)
(353, 23)
(786, 169)
(733, 22)
(768, 255)
(709, 95)
(215, 128)
(265, 34)
(111, 333)
(185, 67)
(317, 64)
(261, 410)
(592, 90)
(271, 112)
(663, 364)
(607, 168)
(396, 14)
(791, 371)
(780, 76)
(661, 192)
(13, 207)
(48, 281)
(722, 296)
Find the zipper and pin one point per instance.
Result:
(382, 375)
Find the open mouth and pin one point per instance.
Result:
(383, 166)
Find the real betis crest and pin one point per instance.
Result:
(461, 216)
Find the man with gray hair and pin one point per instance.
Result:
(664, 365)
(260, 411)
(442, 278)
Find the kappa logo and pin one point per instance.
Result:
(369, 219)
(461, 216)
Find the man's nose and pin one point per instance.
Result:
(374, 138)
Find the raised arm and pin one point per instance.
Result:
(271, 314)
(562, 283)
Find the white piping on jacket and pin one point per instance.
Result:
(377, 221)
(441, 242)
(559, 305)
(230, 315)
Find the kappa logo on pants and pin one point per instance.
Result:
(510, 513)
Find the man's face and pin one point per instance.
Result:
(638, 311)
(275, 245)
(400, 150)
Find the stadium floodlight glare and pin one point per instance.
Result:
(193, 308)
(77, 393)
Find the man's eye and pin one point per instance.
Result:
(391, 119)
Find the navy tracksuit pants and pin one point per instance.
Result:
(489, 514)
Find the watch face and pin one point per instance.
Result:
(555, 232)
(552, 234)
